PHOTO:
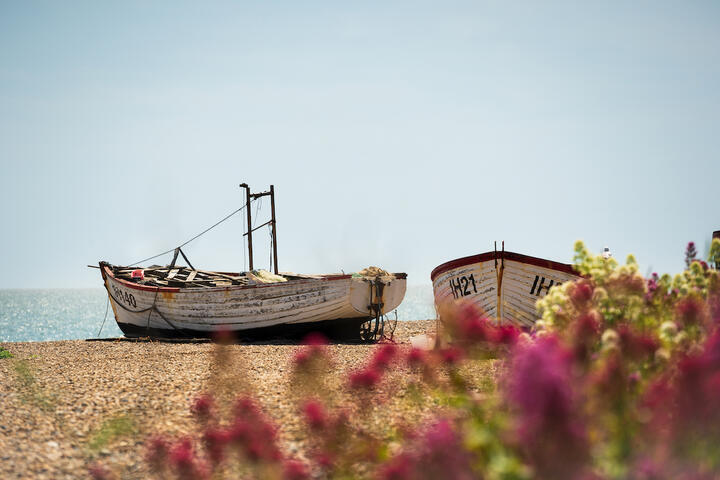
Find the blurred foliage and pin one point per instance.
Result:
(620, 378)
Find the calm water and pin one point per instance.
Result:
(59, 314)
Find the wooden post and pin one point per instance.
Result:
(274, 227)
(249, 222)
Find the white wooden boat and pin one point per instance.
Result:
(193, 303)
(185, 302)
(505, 285)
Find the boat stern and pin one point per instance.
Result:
(381, 294)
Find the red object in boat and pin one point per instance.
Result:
(138, 274)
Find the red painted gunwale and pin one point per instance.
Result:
(517, 257)
(106, 271)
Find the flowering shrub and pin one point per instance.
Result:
(619, 379)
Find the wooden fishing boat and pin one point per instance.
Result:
(505, 285)
(175, 301)
(183, 302)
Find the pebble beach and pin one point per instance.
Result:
(66, 404)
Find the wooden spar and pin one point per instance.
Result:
(249, 221)
(272, 222)
(274, 227)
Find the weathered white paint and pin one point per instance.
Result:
(504, 289)
(518, 298)
(485, 277)
(247, 307)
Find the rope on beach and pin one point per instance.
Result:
(151, 308)
(107, 306)
(193, 238)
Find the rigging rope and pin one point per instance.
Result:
(107, 305)
(257, 210)
(244, 254)
(271, 246)
(193, 238)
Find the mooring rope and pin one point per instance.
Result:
(107, 306)
(193, 238)
(151, 308)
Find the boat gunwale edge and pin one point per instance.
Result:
(518, 257)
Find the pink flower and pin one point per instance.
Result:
(365, 379)
(99, 472)
(315, 414)
(698, 391)
(437, 452)
(416, 357)
(472, 326)
(539, 388)
(203, 407)
(315, 339)
(223, 336)
(451, 356)
(383, 356)
(215, 441)
(313, 351)
(253, 433)
(689, 311)
(581, 293)
(636, 346)
(401, 467)
(157, 453)
(295, 470)
(325, 460)
(246, 407)
(506, 335)
(183, 460)
(239, 432)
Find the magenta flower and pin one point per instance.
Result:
(636, 346)
(539, 388)
(698, 390)
(253, 433)
(203, 407)
(315, 339)
(315, 414)
(506, 335)
(451, 356)
(366, 378)
(325, 460)
(157, 453)
(437, 452)
(689, 311)
(223, 336)
(314, 351)
(416, 357)
(581, 293)
(98, 471)
(585, 334)
(383, 356)
(246, 408)
(690, 253)
(215, 441)
(183, 461)
(401, 467)
(295, 470)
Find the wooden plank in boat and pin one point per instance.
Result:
(173, 273)
(221, 275)
(191, 276)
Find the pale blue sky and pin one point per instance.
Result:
(399, 134)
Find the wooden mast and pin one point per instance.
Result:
(272, 222)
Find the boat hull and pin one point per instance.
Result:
(327, 302)
(505, 285)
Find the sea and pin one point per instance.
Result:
(72, 314)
